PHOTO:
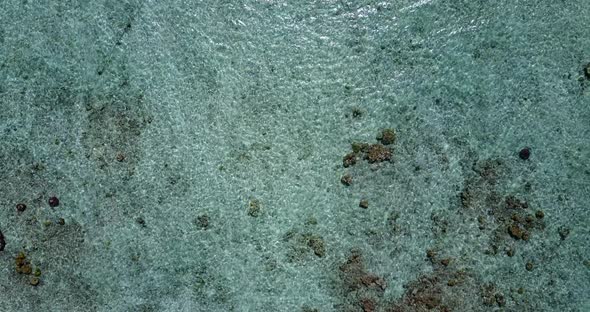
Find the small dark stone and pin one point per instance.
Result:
(510, 252)
(349, 160)
(34, 281)
(516, 231)
(357, 112)
(22, 265)
(540, 214)
(364, 203)
(53, 202)
(140, 221)
(346, 179)
(530, 266)
(61, 221)
(2, 241)
(466, 198)
(528, 187)
(317, 245)
(120, 157)
(524, 153)
(430, 253)
(563, 232)
(254, 208)
(587, 71)
(21, 207)
(202, 221)
(500, 300)
(387, 136)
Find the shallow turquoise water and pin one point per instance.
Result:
(197, 147)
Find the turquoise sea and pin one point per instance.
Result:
(306, 156)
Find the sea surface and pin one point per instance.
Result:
(306, 156)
